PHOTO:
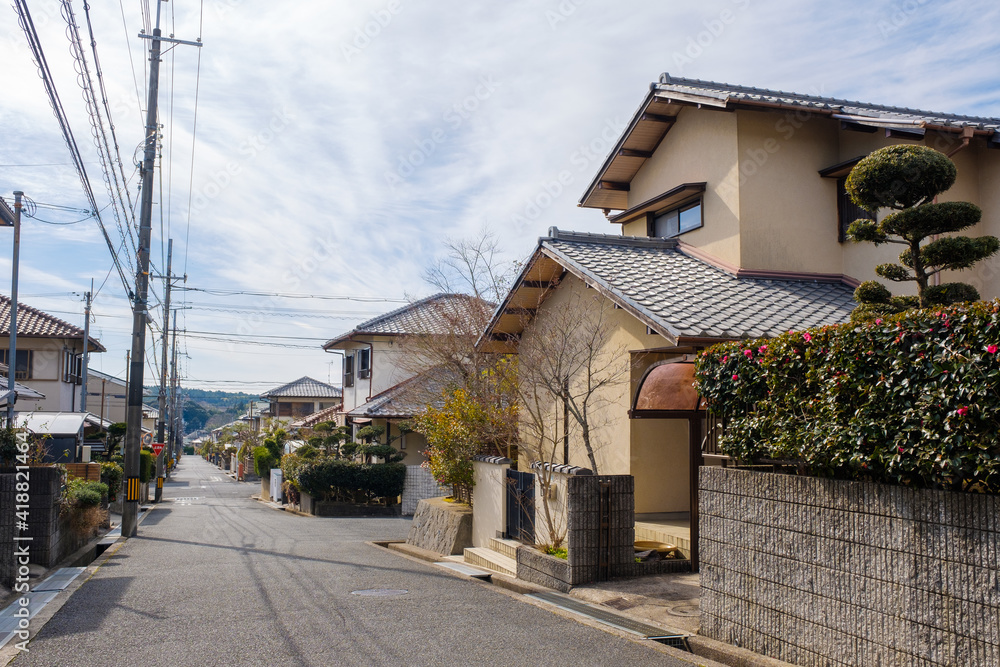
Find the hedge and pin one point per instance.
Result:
(147, 466)
(263, 461)
(913, 399)
(327, 476)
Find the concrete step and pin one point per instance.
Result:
(491, 560)
(505, 547)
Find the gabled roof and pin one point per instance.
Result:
(33, 323)
(304, 387)
(434, 315)
(410, 397)
(658, 113)
(92, 372)
(22, 391)
(678, 296)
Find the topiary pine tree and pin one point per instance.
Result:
(907, 179)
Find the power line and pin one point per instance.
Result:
(288, 295)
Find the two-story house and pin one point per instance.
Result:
(730, 210)
(387, 382)
(298, 399)
(49, 357)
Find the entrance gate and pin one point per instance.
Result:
(521, 506)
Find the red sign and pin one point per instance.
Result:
(158, 447)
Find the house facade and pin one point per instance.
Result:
(386, 382)
(731, 211)
(49, 357)
(298, 399)
(107, 396)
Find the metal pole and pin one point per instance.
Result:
(85, 359)
(133, 434)
(162, 403)
(175, 419)
(12, 352)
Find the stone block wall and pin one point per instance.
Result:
(420, 484)
(826, 572)
(442, 527)
(585, 535)
(7, 503)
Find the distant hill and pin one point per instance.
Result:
(205, 408)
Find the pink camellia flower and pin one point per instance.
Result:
(725, 358)
(762, 349)
(878, 320)
(748, 353)
(962, 411)
(807, 336)
(900, 450)
(992, 349)
(735, 376)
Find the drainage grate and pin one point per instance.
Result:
(645, 631)
(59, 580)
(380, 592)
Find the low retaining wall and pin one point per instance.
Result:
(442, 527)
(826, 572)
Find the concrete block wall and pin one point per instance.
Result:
(420, 484)
(826, 572)
(7, 507)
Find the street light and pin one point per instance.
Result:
(12, 219)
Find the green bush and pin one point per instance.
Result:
(911, 399)
(81, 493)
(111, 474)
(147, 466)
(337, 478)
(263, 461)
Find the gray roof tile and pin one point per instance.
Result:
(688, 297)
(304, 387)
(410, 397)
(433, 315)
(880, 112)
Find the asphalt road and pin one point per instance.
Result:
(215, 578)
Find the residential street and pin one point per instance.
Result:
(215, 578)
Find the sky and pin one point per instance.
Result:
(317, 156)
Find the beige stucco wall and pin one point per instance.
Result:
(701, 146)
(654, 451)
(47, 360)
(767, 208)
(659, 463)
(488, 502)
(551, 519)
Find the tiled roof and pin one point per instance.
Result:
(410, 397)
(33, 323)
(324, 415)
(684, 296)
(725, 92)
(304, 387)
(433, 315)
(22, 391)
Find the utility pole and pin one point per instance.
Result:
(162, 403)
(133, 435)
(175, 416)
(12, 352)
(85, 359)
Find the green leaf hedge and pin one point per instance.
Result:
(913, 399)
(345, 480)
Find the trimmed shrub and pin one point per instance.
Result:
(111, 474)
(912, 399)
(263, 461)
(81, 493)
(147, 466)
(347, 480)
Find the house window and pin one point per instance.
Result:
(348, 370)
(284, 409)
(24, 366)
(364, 363)
(676, 221)
(847, 210)
(72, 367)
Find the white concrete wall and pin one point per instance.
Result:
(488, 501)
